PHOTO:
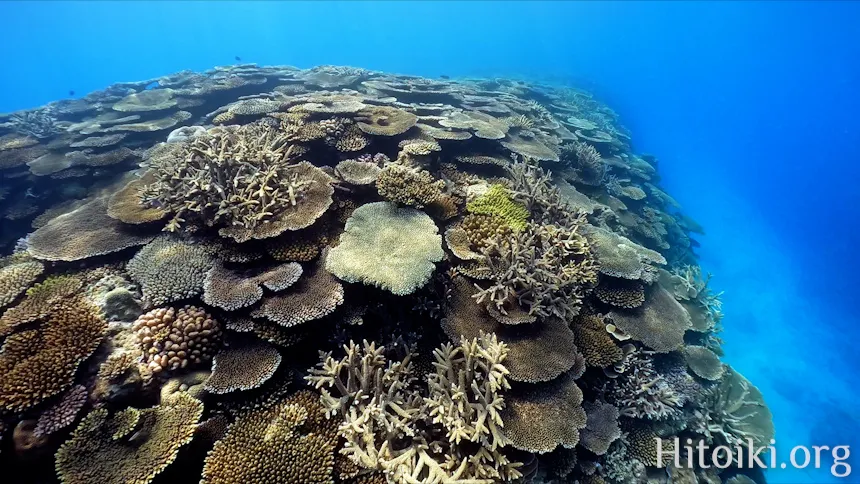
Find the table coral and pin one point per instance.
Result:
(109, 448)
(389, 247)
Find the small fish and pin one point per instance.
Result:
(71, 92)
(443, 76)
(238, 59)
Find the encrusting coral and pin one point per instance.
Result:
(389, 247)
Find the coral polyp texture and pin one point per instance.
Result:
(480, 279)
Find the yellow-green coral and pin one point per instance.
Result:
(121, 449)
(497, 201)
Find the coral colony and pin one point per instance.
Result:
(334, 275)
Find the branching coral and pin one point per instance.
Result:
(128, 447)
(587, 162)
(389, 247)
(546, 269)
(641, 392)
(389, 426)
(408, 186)
(39, 363)
(242, 180)
(172, 338)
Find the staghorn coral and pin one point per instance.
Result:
(703, 362)
(15, 279)
(270, 445)
(496, 201)
(39, 301)
(540, 417)
(408, 186)
(601, 428)
(231, 290)
(169, 269)
(316, 295)
(82, 233)
(121, 449)
(660, 323)
(639, 391)
(243, 368)
(172, 339)
(546, 269)
(39, 363)
(63, 412)
(537, 352)
(586, 161)
(241, 179)
(388, 247)
(385, 431)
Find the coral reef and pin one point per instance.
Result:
(562, 325)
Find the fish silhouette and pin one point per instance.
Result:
(238, 59)
(71, 93)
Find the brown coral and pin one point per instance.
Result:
(127, 206)
(703, 362)
(15, 279)
(85, 232)
(231, 290)
(274, 444)
(112, 449)
(621, 293)
(408, 186)
(62, 413)
(538, 418)
(596, 344)
(169, 269)
(537, 352)
(385, 121)
(40, 301)
(317, 294)
(601, 427)
(243, 368)
(172, 339)
(660, 323)
(39, 363)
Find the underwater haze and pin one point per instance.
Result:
(751, 108)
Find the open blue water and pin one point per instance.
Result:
(752, 108)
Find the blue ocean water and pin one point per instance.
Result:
(751, 108)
